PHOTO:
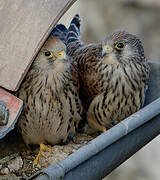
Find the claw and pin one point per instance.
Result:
(43, 148)
(104, 129)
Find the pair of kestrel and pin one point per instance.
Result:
(109, 78)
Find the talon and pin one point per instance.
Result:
(104, 129)
(35, 162)
(43, 148)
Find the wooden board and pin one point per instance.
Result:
(24, 26)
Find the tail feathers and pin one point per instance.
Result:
(61, 32)
(71, 37)
(74, 34)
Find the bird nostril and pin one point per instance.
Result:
(107, 48)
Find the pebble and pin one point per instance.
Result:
(9, 177)
(4, 171)
(4, 113)
(15, 164)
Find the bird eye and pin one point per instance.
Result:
(48, 54)
(119, 45)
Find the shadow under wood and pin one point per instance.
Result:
(11, 143)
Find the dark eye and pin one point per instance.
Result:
(48, 54)
(119, 45)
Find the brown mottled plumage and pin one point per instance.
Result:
(52, 109)
(111, 76)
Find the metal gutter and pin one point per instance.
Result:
(110, 149)
(111, 157)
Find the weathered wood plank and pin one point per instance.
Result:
(24, 26)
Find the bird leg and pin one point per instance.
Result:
(43, 148)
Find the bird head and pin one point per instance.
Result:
(52, 55)
(122, 47)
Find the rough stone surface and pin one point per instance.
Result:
(21, 164)
(9, 177)
(15, 164)
(4, 171)
(59, 153)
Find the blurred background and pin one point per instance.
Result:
(140, 17)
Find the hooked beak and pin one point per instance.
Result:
(106, 50)
(55, 57)
(64, 58)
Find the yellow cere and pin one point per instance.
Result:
(61, 54)
(108, 48)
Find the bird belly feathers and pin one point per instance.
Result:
(123, 96)
(49, 114)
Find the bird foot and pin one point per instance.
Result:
(43, 148)
(104, 129)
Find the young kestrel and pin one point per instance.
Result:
(52, 108)
(111, 76)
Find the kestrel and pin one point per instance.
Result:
(111, 76)
(52, 108)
